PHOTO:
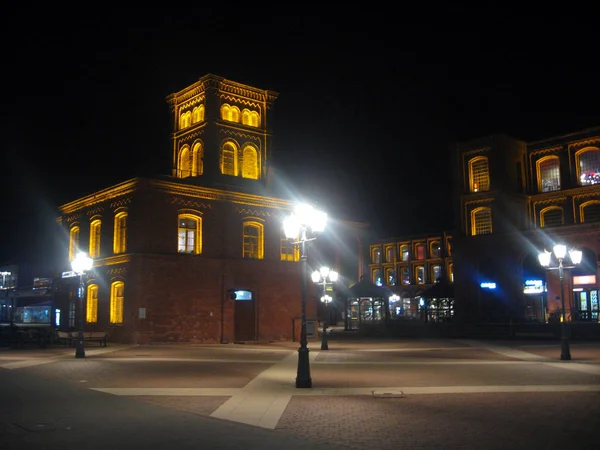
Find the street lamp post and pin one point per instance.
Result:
(301, 225)
(80, 265)
(560, 251)
(321, 277)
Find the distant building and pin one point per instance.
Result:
(200, 256)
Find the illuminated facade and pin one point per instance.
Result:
(516, 199)
(199, 255)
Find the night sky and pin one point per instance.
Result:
(370, 101)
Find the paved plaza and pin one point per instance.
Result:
(366, 394)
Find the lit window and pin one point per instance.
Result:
(376, 256)
(405, 275)
(197, 160)
(246, 117)
(253, 240)
(588, 166)
(420, 274)
(481, 221)
(451, 272)
(185, 169)
(548, 172)
(230, 113)
(552, 217)
(435, 250)
(377, 277)
(189, 234)
(255, 119)
(289, 251)
(91, 313)
(95, 228)
(436, 273)
(590, 211)
(479, 175)
(198, 114)
(116, 302)
(391, 277)
(185, 120)
(229, 159)
(120, 238)
(420, 251)
(405, 252)
(250, 163)
(389, 254)
(73, 242)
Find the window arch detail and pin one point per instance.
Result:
(479, 174)
(590, 211)
(229, 154)
(73, 241)
(587, 162)
(120, 233)
(91, 312)
(189, 234)
(198, 114)
(253, 240)
(548, 173)
(481, 221)
(250, 163)
(230, 113)
(553, 216)
(185, 120)
(117, 300)
(95, 232)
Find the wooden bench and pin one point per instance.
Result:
(88, 336)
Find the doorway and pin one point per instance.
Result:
(245, 316)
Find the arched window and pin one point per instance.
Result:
(548, 174)
(230, 113)
(185, 120)
(253, 240)
(198, 114)
(451, 272)
(287, 250)
(590, 211)
(246, 117)
(420, 251)
(552, 216)
(229, 159)
(435, 251)
(73, 242)
(189, 234)
(481, 221)
(588, 166)
(390, 277)
(120, 237)
(117, 290)
(405, 252)
(254, 119)
(376, 256)
(185, 169)
(405, 274)
(197, 160)
(235, 114)
(420, 274)
(250, 164)
(479, 175)
(95, 228)
(390, 255)
(376, 274)
(91, 312)
(436, 273)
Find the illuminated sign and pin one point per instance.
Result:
(533, 287)
(488, 285)
(243, 295)
(584, 279)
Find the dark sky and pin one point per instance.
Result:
(370, 103)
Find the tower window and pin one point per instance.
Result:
(481, 221)
(189, 235)
(479, 175)
(548, 171)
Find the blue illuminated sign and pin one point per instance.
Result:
(487, 285)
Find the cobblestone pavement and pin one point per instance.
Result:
(408, 393)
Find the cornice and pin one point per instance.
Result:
(253, 212)
(549, 201)
(476, 151)
(193, 101)
(241, 100)
(188, 203)
(543, 151)
(582, 191)
(127, 187)
(576, 145)
(587, 195)
(479, 201)
(112, 260)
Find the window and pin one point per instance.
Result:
(185, 167)
(250, 118)
(481, 221)
(436, 273)
(405, 252)
(250, 166)
(451, 273)
(198, 114)
(253, 240)
(71, 314)
(376, 256)
(189, 234)
(289, 251)
(548, 173)
(116, 302)
(590, 211)
(120, 238)
(435, 251)
(551, 217)
(588, 166)
(91, 313)
(185, 120)
(420, 274)
(95, 227)
(449, 246)
(420, 251)
(230, 113)
(390, 276)
(479, 176)
(405, 273)
(197, 160)
(376, 276)
(73, 242)
(229, 159)
(389, 254)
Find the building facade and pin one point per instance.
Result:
(515, 199)
(200, 255)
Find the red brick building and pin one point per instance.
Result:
(170, 252)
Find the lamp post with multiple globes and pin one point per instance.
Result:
(545, 257)
(324, 276)
(301, 226)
